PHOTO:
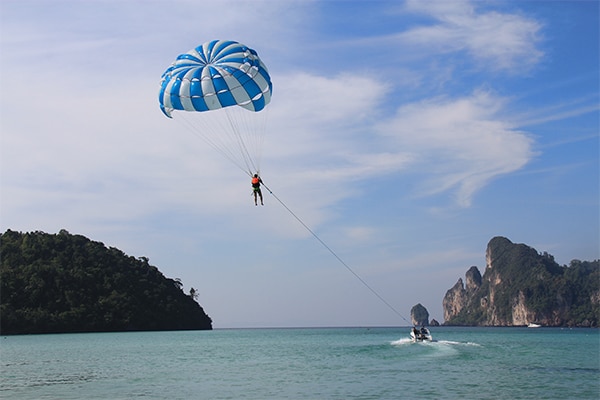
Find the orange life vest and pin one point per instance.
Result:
(255, 180)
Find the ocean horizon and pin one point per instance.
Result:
(305, 363)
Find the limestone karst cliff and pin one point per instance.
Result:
(521, 286)
(419, 315)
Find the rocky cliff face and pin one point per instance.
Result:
(521, 286)
(419, 315)
(459, 296)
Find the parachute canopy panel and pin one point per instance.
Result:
(217, 74)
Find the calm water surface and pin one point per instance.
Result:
(319, 363)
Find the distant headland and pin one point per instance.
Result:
(522, 287)
(60, 283)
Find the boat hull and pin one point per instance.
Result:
(419, 336)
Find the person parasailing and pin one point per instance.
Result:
(225, 87)
(256, 181)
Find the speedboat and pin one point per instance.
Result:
(532, 325)
(420, 335)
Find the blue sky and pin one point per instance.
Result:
(404, 134)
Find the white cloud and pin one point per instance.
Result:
(318, 100)
(566, 109)
(461, 144)
(499, 41)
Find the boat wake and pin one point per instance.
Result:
(408, 341)
(453, 343)
(400, 342)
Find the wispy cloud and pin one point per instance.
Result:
(461, 144)
(559, 111)
(498, 41)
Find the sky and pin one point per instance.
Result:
(402, 136)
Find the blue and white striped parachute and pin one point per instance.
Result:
(214, 75)
(226, 86)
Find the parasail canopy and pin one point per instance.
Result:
(217, 74)
(225, 85)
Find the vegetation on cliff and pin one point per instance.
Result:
(520, 286)
(68, 283)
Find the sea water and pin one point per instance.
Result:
(315, 363)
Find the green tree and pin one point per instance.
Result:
(68, 283)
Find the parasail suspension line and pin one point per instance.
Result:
(238, 155)
(384, 301)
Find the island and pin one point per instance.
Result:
(65, 283)
(523, 287)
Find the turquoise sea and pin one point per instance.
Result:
(307, 363)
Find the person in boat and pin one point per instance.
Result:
(256, 181)
(423, 330)
(416, 332)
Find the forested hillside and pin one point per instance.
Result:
(522, 286)
(68, 283)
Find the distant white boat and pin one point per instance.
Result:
(420, 335)
(532, 325)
